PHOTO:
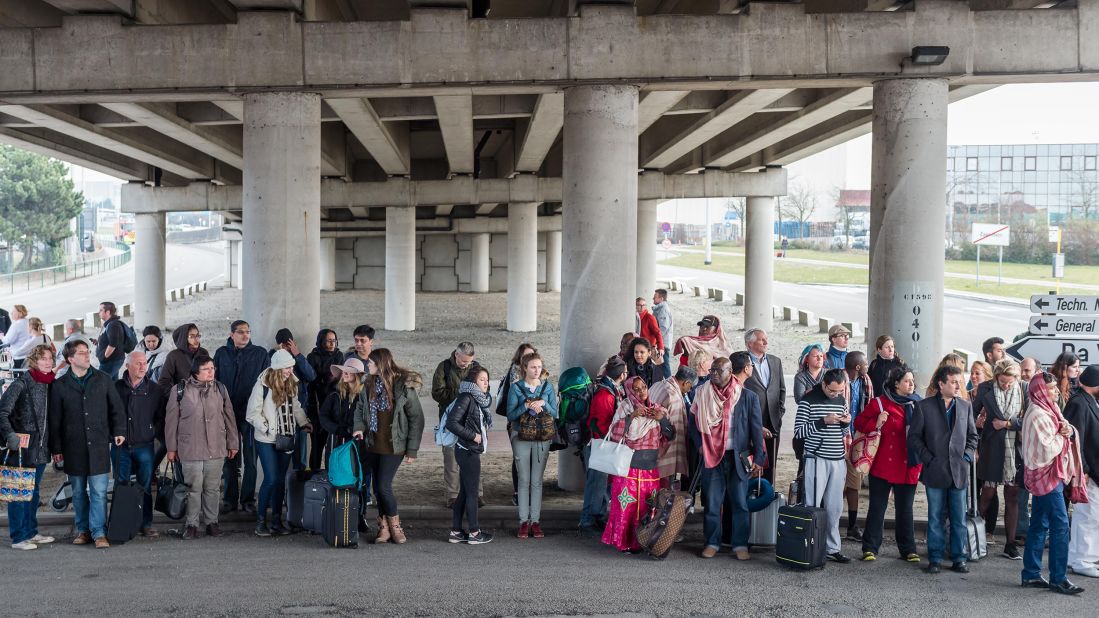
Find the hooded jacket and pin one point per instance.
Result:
(177, 365)
(156, 358)
(324, 384)
(200, 426)
(238, 369)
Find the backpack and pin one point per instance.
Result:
(344, 469)
(443, 436)
(576, 390)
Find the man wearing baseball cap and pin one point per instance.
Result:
(710, 338)
(836, 358)
(1082, 412)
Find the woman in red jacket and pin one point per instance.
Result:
(893, 469)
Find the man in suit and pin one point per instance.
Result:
(1082, 412)
(944, 438)
(767, 382)
(724, 432)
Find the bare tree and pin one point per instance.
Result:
(738, 205)
(1085, 193)
(845, 217)
(799, 204)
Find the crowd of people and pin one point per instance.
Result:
(1012, 431)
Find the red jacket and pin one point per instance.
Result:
(651, 330)
(601, 412)
(891, 462)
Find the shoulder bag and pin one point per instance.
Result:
(537, 427)
(171, 492)
(864, 448)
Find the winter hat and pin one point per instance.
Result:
(351, 365)
(1090, 376)
(281, 359)
(284, 335)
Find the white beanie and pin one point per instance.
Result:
(281, 359)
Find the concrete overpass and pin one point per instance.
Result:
(517, 144)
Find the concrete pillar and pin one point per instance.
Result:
(281, 252)
(908, 218)
(235, 258)
(400, 268)
(149, 282)
(479, 266)
(646, 247)
(599, 232)
(523, 267)
(328, 264)
(553, 261)
(759, 262)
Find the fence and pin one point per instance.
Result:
(41, 277)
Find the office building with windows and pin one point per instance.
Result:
(1057, 182)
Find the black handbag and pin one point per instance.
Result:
(285, 443)
(171, 492)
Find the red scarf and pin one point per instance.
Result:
(42, 378)
(713, 411)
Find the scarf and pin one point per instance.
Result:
(42, 378)
(637, 427)
(1009, 402)
(483, 399)
(1047, 454)
(711, 408)
(715, 344)
(908, 403)
(379, 402)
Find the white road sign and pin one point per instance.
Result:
(1066, 304)
(994, 234)
(1063, 325)
(1047, 349)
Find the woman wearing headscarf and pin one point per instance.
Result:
(645, 428)
(998, 405)
(885, 362)
(1050, 464)
(643, 361)
(893, 469)
(710, 338)
(470, 418)
(326, 354)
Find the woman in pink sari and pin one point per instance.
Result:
(647, 429)
(1048, 465)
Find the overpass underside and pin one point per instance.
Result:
(518, 145)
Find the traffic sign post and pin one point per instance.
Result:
(1046, 349)
(993, 234)
(1064, 304)
(1061, 325)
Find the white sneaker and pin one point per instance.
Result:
(1086, 571)
(24, 546)
(42, 539)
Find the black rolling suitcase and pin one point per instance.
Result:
(802, 537)
(127, 503)
(976, 542)
(316, 489)
(340, 519)
(295, 497)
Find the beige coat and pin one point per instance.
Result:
(263, 414)
(202, 425)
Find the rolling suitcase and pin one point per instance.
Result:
(340, 518)
(801, 541)
(764, 528)
(976, 542)
(127, 504)
(295, 497)
(316, 490)
(660, 527)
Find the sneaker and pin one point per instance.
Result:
(83, 538)
(457, 536)
(102, 543)
(524, 530)
(1011, 552)
(839, 557)
(854, 534)
(480, 538)
(190, 533)
(262, 530)
(24, 546)
(912, 558)
(41, 539)
(213, 530)
(536, 531)
(869, 556)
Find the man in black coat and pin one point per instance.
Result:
(942, 435)
(85, 414)
(238, 364)
(769, 385)
(1082, 412)
(145, 405)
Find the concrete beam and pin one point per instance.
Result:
(388, 147)
(268, 5)
(455, 114)
(233, 107)
(224, 145)
(655, 104)
(541, 132)
(74, 151)
(185, 164)
(739, 107)
(118, 7)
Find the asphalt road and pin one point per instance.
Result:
(240, 575)
(966, 322)
(185, 264)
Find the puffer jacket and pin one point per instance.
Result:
(23, 410)
(177, 365)
(337, 415)
(264, 415)
(466, 421)
(408, 418)
(201, 425)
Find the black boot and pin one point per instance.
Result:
(277, 529)
(262, 529)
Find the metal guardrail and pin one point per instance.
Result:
(41, 277)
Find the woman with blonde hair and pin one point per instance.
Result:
(954, 360)
(18, 334)
(979, 373)
(275, 412)
(532, 396)
(998, 405)
(36, 336)
(389, 416)
(337, 415)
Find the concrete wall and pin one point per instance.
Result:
(442, 262)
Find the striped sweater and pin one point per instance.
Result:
(822, 441)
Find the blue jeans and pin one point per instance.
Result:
(238, 491)
(90, 504)
(939, 499)
(23, 516)
(596, 492)
(1023, 526)
(725, 488)
(111, 367)
(667, 366)
(1049, 517)
(273, 489)
(123, 459)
